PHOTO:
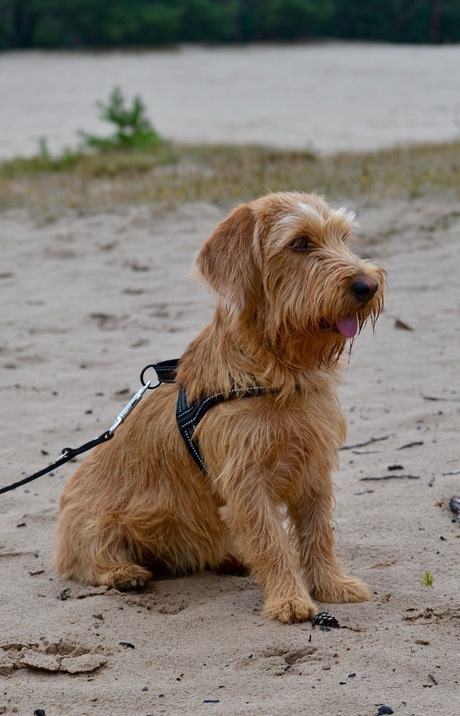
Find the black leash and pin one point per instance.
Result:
(69, 453)
(66, 455)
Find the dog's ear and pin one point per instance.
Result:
(230, 260)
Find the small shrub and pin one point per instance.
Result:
(133, 129)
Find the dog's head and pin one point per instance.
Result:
(283, 262)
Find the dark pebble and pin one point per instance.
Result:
(64, 594)
(395, 467)
(39, 712)
(127, 644)
(385, 710)
(211, 701)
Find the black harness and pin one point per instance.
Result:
(188, 415)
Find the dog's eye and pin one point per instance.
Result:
(301, 243)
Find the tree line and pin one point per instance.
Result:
(146, 23)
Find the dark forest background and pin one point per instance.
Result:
(146, 23)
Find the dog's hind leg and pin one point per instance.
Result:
(97, 551)
(126, 576)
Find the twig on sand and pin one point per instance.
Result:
(390, 477)
(367, 442)
(439, 398)
(409, 445)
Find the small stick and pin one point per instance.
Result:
(409, 445)
(367, 442)
(391, 477)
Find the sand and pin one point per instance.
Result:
(87, 302)
(326, 97)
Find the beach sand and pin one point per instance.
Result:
(86, 303)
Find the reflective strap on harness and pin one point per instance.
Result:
(188, 415)
(166, 371)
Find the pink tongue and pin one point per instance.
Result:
(348, 326)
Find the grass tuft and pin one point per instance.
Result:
(427, 579)
(164, 172)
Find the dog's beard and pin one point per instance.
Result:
(321, 344)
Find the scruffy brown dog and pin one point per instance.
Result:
(290, 292)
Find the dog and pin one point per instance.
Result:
(290, 294)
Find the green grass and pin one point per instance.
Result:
(170, 173)
(427, 579)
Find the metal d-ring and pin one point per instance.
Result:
(145, 382)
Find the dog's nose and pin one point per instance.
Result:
(364, 289)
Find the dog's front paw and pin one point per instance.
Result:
(342, 591)
(126, 577)
(290, 609)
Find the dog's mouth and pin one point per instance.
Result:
(348, 326)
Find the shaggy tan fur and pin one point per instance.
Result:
(289, 293)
